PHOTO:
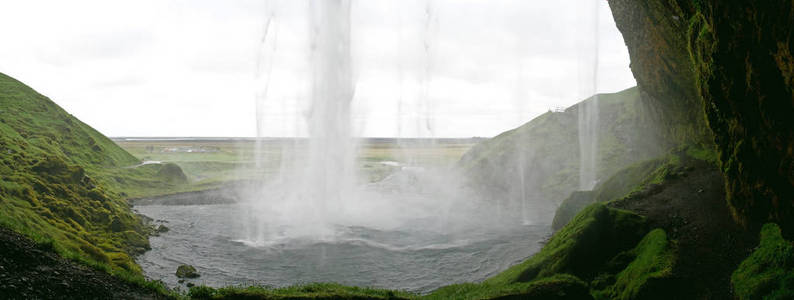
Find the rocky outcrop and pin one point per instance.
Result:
(655, 33)
(714, 65)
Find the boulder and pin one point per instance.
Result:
(187, 271)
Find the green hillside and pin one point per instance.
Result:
(63, 183)
(539, 161)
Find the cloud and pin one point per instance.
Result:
(189, 68)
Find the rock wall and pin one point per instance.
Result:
(737, 60)
(661, 65)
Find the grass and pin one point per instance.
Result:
(549, 146)
(551, 287)
(594, 236)
(768, 273)
(55, 180)
(558, 286)
(219, 162)
(309, 291)
(654, 258)
(632, 181)
(47, 243)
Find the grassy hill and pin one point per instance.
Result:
(539, 161)
(63, 183)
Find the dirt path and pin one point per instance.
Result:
(692, 209)
(27, 272)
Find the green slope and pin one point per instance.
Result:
(539, 161)
(63, 182)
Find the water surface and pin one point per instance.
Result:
(411, 258)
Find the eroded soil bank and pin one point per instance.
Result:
(28, 271)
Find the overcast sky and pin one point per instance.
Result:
(196, 67)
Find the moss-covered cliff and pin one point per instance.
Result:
(730, 65)
(745, 73)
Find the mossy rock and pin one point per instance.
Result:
(768, 273)
(187, 271)
(581, 247)
(648, 275)
(570, 207)
(162, 229)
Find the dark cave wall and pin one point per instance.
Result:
(719, 67)
(743, 65)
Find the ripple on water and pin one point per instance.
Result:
(407, 259)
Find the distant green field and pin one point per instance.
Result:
(214, 162)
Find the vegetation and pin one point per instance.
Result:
(580, 248)
(653, 262)
(571, 206)
(309, 291)
(769, 271)
(209, 164)
(540, 159)
(638, 179)
(559, 286)
(60, 181)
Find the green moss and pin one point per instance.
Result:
(630, 179)
(55, 181)
(581, 247)
(646, 275)
(309, 291)
(559, 286)
(571, 206)
(768, 272)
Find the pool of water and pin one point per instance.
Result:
(410, 257)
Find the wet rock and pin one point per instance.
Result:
(186, 271)
(162, 229)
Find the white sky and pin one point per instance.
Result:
(189, 67)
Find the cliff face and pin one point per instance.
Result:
(730, 66)
(661, 65)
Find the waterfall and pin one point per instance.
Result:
(264, 67)
(329, 169)
(588, 111)
(316, 177)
